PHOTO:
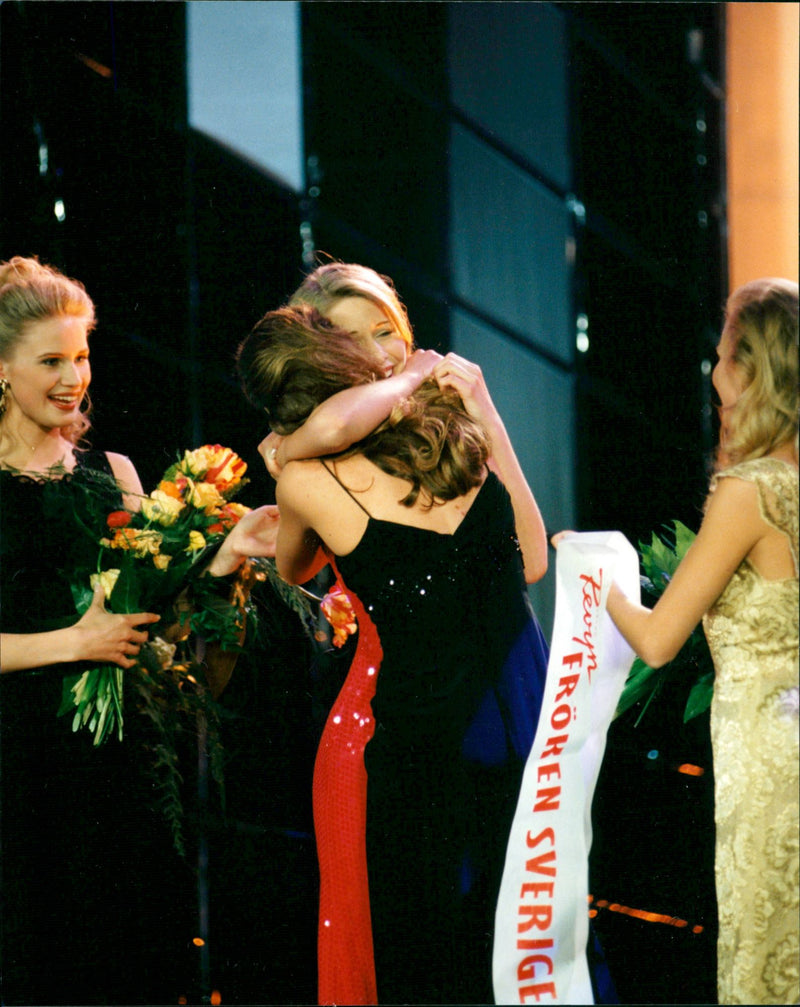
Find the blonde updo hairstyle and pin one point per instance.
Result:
(334, 281)
(763, 318)
(32, 292)
(294, 359)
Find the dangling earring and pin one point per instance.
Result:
(3, 389)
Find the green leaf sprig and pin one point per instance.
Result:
(659, 560)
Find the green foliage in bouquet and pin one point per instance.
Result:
(152, 560)
(659, 561)
(146, 558)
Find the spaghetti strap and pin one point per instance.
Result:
(347, 491)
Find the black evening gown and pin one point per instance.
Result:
(456, 702)
(96, 905)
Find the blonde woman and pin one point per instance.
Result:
(91, 893)
(741, 577)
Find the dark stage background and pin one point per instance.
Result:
(600, 122)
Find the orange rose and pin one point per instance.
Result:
(173, 489)
(228, 516)
(226, 468)
(141, 542)
(339, 612)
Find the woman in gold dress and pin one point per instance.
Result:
(741, 577)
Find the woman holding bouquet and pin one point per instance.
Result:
(75, 819)
(95, 902)
(741, 577)
(45, 321)
(441, 702)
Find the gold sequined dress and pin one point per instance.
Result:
(752, 631)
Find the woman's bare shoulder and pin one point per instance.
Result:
(125, 472)
(304, 480)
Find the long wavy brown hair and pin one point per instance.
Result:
(294, 359)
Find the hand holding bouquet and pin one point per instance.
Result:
(153, 560)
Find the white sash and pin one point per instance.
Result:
(542, 923)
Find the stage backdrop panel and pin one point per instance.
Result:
(535, 400)
(508, 72)
(244, 80)
(511, 237)
(508, 241)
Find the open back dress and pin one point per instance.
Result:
(419, 766)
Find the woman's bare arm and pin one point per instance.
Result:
(299, 555)
(731, 528)
(255, 534)
(128, 479)
(97, 636)
(467, 379)
(351, 414)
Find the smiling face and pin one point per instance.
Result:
(372, 326)
(48, 373)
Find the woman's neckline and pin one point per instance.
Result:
(53, 473)
(790, 463)
(784, 461)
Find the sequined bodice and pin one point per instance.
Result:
(445, 607)
(752, 631)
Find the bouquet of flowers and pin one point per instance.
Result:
(152, 560)
(149, 560)
(660, 560)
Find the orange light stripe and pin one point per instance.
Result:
(690, 770)
(643, 914)
(99, 68)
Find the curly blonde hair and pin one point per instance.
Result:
(294, 359)
(33, 292)
(763, 319)
(333, 281)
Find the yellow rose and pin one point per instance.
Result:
(205, 496)
(237, 510)
(196, 541)
(226, 468)
(161, 561)
(214, 464)
(107, 579)
(162, 507)
(146, 541)
(197, 462)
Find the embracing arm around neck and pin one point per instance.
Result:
(348, 416)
